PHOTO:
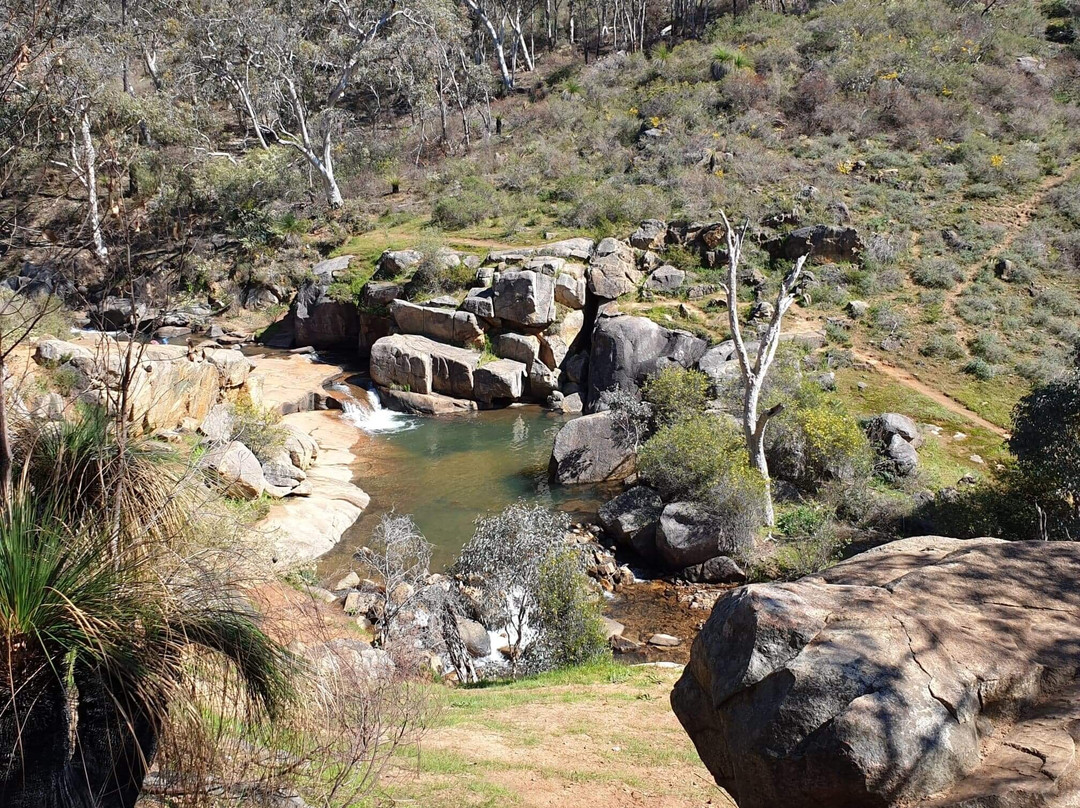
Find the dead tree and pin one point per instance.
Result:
(754, 373)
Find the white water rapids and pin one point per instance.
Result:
(370, 416)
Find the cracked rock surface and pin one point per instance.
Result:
(929, 671)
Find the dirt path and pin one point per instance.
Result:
(485, 243)
(912, 383)
(1015, 218)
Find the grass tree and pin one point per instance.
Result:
(95, 651)
(755, 371)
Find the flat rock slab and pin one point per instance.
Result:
(300, 529)
(928, 671)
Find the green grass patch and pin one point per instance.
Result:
(943, 459)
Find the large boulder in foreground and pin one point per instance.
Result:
(591, 449)
(929, 671)
(626, 350)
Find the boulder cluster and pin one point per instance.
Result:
(169, 385)
(174, 389)
(241, 474)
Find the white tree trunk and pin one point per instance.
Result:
(496, 41)
(326, 169)
(89, 178)
(245, 96)
(754, 375)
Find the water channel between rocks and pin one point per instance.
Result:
(446, 471)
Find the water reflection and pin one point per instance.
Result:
(447, 471)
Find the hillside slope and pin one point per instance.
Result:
(945, 136)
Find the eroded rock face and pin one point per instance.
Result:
(819, 241)
(525, 298)
(239, 471)
(500, 381)
(420, 365)
(591, 449)
(688, 534)
(318, 320)
(929, 671)
(519, 347)
(666, 280)
(651, 235)
(613, 270)
(445, 325)
(626, 350)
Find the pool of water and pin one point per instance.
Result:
(446, 471)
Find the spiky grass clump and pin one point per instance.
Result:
(94, 643)
(133, 484)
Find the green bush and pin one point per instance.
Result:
(570, 611)
(474, 202)
(815, 440)
(937, 273)
(801, 520)
(676, 393)
(434, 275)
(258, 429)
(980, 369)
(526, 576)
(988, 345)
(684, 460)
(943, 346)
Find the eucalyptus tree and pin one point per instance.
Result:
(322, 67)
(754, 372)
(230, 43)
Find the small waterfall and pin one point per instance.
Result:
(368, 413)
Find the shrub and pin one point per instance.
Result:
(631, 414)
(937, 273)
(474, 202)
(259, 429)
(436, 274)
(529, 578)
(676, 393)
(569, 611)
(814, 440)
(987, 345)
(943, 346)
(980, 369)
(683, 460)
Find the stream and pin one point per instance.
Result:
(446, 471)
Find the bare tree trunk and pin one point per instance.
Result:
(303, 144)
(245, 96)
(754, 375)
(496, 41)
(89, 171)
(150, 63)
(326, 170)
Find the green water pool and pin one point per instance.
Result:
(446, 471)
